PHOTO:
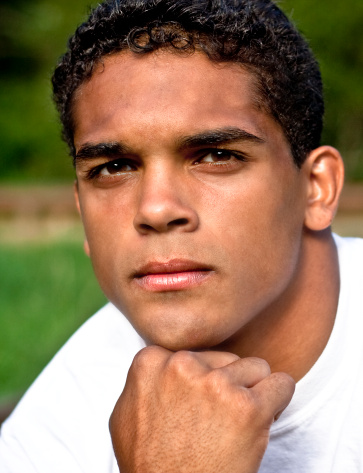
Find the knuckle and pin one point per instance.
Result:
(115, 419)
(146, 357)
(260, 364)
(181, 362)
(216, 381)
(284, 384)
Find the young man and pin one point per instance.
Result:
(207, 202)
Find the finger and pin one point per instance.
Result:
(247, 372)
(215, 359)
(275, 393)
(149, 360)
(191, 364)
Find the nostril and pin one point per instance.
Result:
(178, 222)
(168, 219)
(144, 226)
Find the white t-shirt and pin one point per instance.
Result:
(321, 430)
(61, 425)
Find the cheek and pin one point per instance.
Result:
(261, 227)
(105, 217)
(105, 226)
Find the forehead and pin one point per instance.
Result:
(164, 90)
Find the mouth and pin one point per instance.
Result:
(173, 275)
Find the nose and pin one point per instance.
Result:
(164, 205)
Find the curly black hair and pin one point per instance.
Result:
(255, 33)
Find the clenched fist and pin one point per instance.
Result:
(196, 412)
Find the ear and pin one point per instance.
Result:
(325, 171)
(78, 205)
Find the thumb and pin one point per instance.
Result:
(275, 393)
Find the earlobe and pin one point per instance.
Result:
(325, 169)
(76, 197)
(86, 248)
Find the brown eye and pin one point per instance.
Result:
(218, 156)
(115, 167)
(214, 156)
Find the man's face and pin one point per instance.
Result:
(192, 206)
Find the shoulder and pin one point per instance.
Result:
(351, 242)
(68, 406)
(105, 335)
(350, 308)
(350, 252)
(98, 354)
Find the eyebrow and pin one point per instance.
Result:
(218, 136)
(108, 150)
(206, 138)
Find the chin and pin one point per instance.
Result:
(184, 339)
(180, 327)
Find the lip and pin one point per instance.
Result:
(172, 275)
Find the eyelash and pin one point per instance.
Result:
(220, 152)
(96, 171)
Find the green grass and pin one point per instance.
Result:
(46, 292)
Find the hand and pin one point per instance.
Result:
(196, 412)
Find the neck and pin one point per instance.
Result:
(292, 333)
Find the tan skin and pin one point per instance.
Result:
(195, 170)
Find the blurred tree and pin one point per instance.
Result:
(33, 35)
(335, 32)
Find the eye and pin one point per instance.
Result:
(112, 168)
(220, 157)
(115, 167)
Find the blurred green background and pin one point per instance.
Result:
(47, 291)
(47, 288)
(33, 35)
